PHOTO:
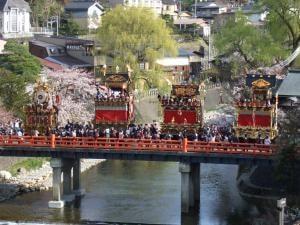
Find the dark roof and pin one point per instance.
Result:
(208, 4)
(290, 86)
(253, 77)
(69, 61)
(169, 2)
(80, 5)
(21, 4)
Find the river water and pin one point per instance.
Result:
(124, 192)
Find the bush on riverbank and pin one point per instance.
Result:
(27, 164)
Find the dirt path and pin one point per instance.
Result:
(148, 109)
(212, 99)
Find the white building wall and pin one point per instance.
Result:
(94, 16)
(156, 5)
(22, 22)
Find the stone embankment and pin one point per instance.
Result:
(30, 181)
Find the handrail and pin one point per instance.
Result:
(131, 144)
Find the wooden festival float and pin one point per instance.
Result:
(42, 113)
(115, 108)
(182, 110)
(257, 117)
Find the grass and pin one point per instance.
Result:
(28, 164)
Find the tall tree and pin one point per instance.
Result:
(42, 10)
(283, 20)
(133, 36)
(255, 46)
(20, 61)
(13, 92)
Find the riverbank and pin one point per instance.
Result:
(34, 180)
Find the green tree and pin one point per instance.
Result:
(20, 61)
(42, 10)
(283, 20)
(70, 28)
(133, 36)
(13, 92)
(255, 46)
(289, 139)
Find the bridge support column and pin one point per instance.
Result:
(195, 170)
(67, 180)
(190, 185)
(77, 190)
(56, 165)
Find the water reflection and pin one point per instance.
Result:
(139, 192)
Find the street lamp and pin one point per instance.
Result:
(281, 204)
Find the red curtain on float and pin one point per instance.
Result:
(245, 120)
(259, 120)
(180, 116)
(262, 120)
(111, 115)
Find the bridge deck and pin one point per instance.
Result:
(136, 149)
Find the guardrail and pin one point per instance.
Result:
(129, 144)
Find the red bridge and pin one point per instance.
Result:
(66, 154)
(136, 149)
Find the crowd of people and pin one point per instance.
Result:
(209, 133)
(110, 94)
(12, 128)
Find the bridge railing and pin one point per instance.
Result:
(131, 144)
(231, 148)
(42, 141)
(118, 144)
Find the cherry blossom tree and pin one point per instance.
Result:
(5, 116)
(77, 91)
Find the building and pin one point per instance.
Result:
(86, 13)
(169, 7)
(181, 68)
(66, 52)
(289, 90)
(193, 25)
(14, 19)
(155, 5)
(177, 68)
(208, 9)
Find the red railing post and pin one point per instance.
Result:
(52, 140)
(184, 144)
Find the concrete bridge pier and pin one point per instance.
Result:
(71, 186)
(77, 190)
(68, 195)
(57, 202)
(190, 185)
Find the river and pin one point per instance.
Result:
(124, 192)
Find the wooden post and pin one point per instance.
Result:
(184, 143)
(52, 140)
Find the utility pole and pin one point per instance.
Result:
(209, 45)
(195, 11)
(281, 204)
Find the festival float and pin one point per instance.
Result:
(114, 103)
(42, 113)
(256, 117)
(182, 110)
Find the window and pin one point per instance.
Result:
(1, 23)
(23, 22)
(14, 20)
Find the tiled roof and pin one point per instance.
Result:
(20, 4)
(290, 86)
(80, 5)
(169, 2)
